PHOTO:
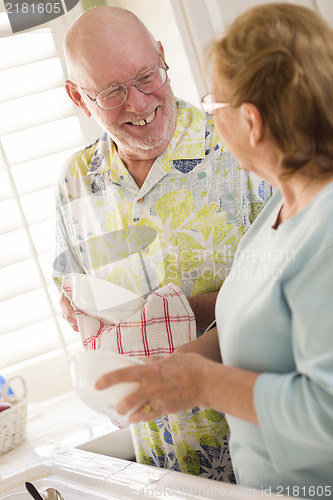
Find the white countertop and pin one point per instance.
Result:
(50, 457)
(59, 424)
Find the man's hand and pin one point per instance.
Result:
(68, 312)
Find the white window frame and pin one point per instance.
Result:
(47, 375)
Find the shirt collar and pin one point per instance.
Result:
(187, 142)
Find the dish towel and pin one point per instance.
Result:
(165, 322)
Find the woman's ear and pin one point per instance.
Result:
(252, 122)
(76, 97)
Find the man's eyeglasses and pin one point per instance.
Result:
(148, 82)
(209, 106)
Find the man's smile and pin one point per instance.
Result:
(144, 121)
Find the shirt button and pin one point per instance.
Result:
(145, 249)
(140, 200)
(187, 459)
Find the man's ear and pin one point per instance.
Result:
(252, 122)
(76, 97)
(161, 49)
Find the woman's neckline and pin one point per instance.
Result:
(277, 224)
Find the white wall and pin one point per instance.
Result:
(208, 18)
(160, 17)
(186, 27)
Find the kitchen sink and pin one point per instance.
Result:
(82, 475)
(117, 444)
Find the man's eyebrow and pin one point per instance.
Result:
(90, 90)
(115, 84)
(143, 70)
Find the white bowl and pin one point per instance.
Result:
(87, 366)
(102, 299)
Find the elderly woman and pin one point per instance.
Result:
(273, 102)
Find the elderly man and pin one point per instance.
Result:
(159, 166)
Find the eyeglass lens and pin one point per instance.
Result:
(147, 82)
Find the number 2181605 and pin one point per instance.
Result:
(33, 8)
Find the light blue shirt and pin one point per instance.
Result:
(275, 316)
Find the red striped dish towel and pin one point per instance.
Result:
(165, 322)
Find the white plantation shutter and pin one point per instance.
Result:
(39, 129)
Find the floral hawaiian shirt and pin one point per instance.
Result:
(182, 226)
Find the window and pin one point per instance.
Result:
(39, 130)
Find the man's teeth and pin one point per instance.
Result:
(145, 121)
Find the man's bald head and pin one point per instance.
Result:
(98, 28)
(105, 48)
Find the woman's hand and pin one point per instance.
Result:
(182, 381)
(166, 386)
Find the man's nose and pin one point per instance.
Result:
(136, 100)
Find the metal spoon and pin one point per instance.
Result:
(52, 494)
(49, 494)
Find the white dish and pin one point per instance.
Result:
(102, 299)
(87, 366)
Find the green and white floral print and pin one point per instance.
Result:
(193, 441)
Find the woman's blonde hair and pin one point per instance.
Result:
(280, 57)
